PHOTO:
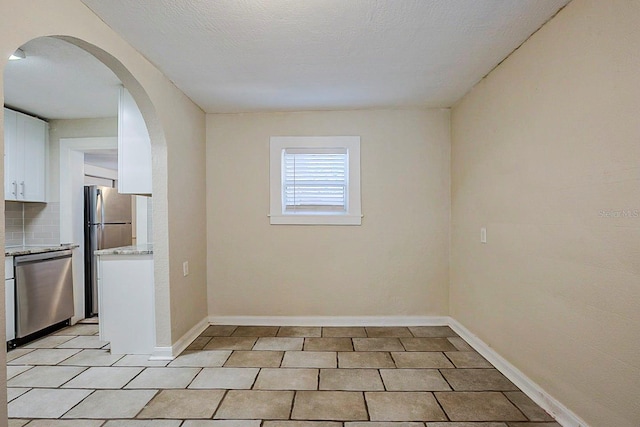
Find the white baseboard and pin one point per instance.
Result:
(162, 353)
(561, 413)
(330, 320)
(170, 353)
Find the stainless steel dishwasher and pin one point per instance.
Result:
(44, 291)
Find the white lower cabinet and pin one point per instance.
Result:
(10, 298)
(126, 303)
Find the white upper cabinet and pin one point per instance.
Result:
(134, 148)
(25, 157)
(10, 155)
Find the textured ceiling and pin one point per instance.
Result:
(257, 55)
(58, 80)
(283, 55)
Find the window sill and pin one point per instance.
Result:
(311, 219)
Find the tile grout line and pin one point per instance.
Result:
(293, 402)
(445, 379)
(156, 394)
(516, 406)
(75, 376)
(384, 384)
(133, 378)
(76, 405)
(444, 353)
(224, 396)
(194, 377)
(366, 405)
(435, 397)
(255, 379)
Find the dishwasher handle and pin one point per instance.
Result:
(44, 256)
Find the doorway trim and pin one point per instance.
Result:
(72, 205)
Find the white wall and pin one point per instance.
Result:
(74, 128)
(395, 263)
(545, 150)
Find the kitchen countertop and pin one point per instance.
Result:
(127, 250)
(28, 250)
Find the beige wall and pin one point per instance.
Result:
(177, 128)
(543, 150)
(395, 263)
(187, 221)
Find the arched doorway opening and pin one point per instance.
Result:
(155, 133)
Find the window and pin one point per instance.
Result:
(315, 180)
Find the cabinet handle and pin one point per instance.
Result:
(15, 188)
(22, 192)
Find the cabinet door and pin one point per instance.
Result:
(25, 157)
(127, 303)
(32, 181)
(10, 308)
(10, 155)
(8, 267)
(134, 148)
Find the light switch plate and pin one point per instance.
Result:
(185, 268)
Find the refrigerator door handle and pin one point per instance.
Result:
(101, 201)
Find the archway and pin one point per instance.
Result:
(177, 129)
(158, 143)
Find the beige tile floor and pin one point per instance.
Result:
(267, 377)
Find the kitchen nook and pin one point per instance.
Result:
(79, 172)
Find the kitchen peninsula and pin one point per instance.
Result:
(126, 299)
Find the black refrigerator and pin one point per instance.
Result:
(107, 219)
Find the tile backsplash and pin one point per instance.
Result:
(13, 224)
(42, 223)
(32, 223)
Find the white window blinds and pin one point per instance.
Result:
(315, 180)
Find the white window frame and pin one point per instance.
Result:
(353, 214)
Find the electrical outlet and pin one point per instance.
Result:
(185, 268)
(483, 235)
